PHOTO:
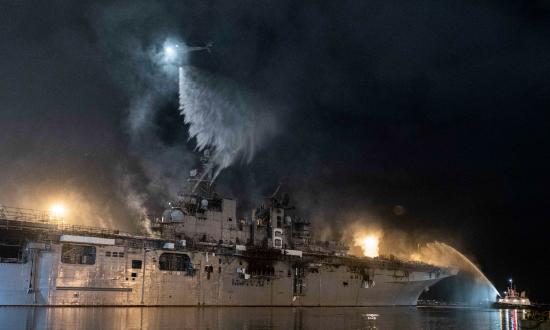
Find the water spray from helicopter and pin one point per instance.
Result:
(223, 116)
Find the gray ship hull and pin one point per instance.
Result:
(217, 279)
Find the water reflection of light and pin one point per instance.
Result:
(506, 319)
(371, 320)
(509, 319)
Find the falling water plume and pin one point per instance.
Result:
(224, 117)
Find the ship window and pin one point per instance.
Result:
(78, 254)
(174, 262)
(108, 253)
(136, 264)
(11, 253)
(215, 205)
(261, 269)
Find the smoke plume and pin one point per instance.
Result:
(215, 111)
(439, 108)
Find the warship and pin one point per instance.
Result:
(201, 253)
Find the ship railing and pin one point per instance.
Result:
(19, 218)
(70, 228)
(28, 215)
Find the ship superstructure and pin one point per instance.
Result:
(204, 254)
(512, 298)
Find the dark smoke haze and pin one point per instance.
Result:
(430, 117)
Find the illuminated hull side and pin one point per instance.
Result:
(124, 276)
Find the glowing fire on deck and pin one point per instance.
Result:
(58, 210)
(369, 244)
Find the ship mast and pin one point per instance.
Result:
(200, 182)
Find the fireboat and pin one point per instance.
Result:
(512, 299)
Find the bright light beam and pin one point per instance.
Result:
(170, 52)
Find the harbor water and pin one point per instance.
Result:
(260, 318)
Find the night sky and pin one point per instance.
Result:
(438, 107)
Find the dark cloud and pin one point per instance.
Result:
(440, 108)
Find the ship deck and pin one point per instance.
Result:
(40, 225)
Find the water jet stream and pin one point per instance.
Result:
(444, 255)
